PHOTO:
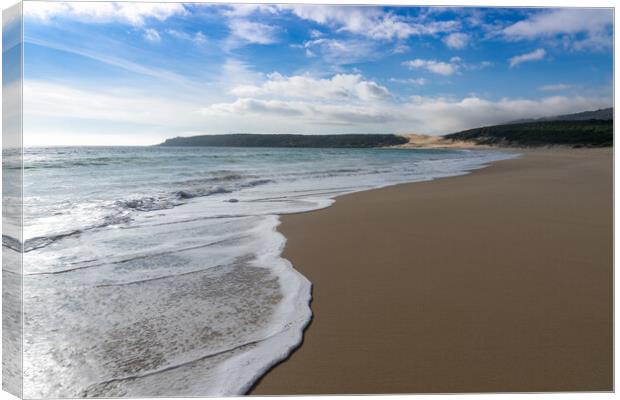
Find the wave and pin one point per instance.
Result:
(134, 258)
(146, 203)
(40, 242)
(185, 194)
(151, 203)
(12, 243)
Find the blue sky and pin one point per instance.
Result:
(137, 73)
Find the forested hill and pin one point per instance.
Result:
(316, 141)
(589, 133)
(584, 129)
(604, 114)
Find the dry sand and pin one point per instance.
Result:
(500, 280)
(417, 141)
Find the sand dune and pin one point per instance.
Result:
(417, 141)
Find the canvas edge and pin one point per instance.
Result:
(12, 200)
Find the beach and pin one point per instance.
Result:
(497, 281)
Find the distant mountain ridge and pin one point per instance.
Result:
(286, 140)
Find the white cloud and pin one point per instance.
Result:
(315, 34)
(554, 87)
(134, 14)
(400, 48)
(535, 55)
(457, 40)
(252, 32)
(245, 30)
(561, 21)
(235, 72)
(256, 107)
(352, 19)
(342, 52)
(338, 87)
(198, 37)
(245, 10)
(369, 21)
(410, 81)
(436, 67)
(314, 114)
(391, 26)
(152, 35)
(595, 24)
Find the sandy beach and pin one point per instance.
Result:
(500, 280)
(417, 141)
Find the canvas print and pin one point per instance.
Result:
(290, 199)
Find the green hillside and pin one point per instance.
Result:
(315, 141)
(578, 133)
(602, 114)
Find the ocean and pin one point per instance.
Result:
(157, 271)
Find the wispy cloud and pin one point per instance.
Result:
(434, 66)
(245, 10)
(555, 87)
(135, 14)
(234, 72)
(410, 81)
(112, 60)
(243, 25)
(252, 32)
(197, 37)
(595, 24)
(535, 55)
(457, 40)
(152, 35)
(342, 51)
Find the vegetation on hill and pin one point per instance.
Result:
(602, 114)
(316, 141)
(577, 133)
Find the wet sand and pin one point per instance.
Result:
(500, 280)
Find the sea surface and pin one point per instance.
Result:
(157, 271)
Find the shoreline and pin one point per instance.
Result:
(325, 352)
